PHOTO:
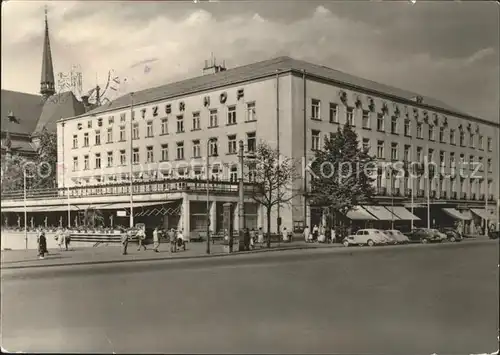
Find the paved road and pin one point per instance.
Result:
(394, 300)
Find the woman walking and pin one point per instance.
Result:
(42, 245)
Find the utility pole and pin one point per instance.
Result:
(241, 209)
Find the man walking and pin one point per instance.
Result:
(42, 244)
(246, 239)
(156, 240)
(124, 240)
(141, 236)
(173, 240)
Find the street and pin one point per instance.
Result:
(415, 299)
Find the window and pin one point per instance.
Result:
(315, 140)
(233, 175)
(150, 154)
(212, 147)
(97, 160)
(366, 119)
(135, 130)
(251, 113)
(123, 157)
(196, 121)
(149, 129)
(490, 145)
(164, 152)
(462, 139)
(334, 118)
(196, 148)
(366, 144)
(489, 165)
(452, 159)
(394, 151)
(349, 116)
(419, 130)
(231, 115)
(135, 156)
(431, 132)
(164, 126)
(419, 154)
(85, 162)
(89, 124)
(214, 120)
(180, 150)
(75, 141)
(231, 144)
(430, 155)
(471, 162)
(481, 162)
(143, 113)
(168, 108)
(111, 119)
(85, 139)
(180, 124)
(97, 137)
(394, 125)
(480, 142)
(110, 134)
(442, 158)
(380, 149)
(315, 109)
(407, 153)
(452, 136)
(471, 140)
(407, 128)
(380, 122)
(441, 134)
(251, 142)
(110, 159)
(75, 163)
(123, 117)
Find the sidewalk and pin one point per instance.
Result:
(14, 259)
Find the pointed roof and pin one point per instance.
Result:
(25, 107)
(47, 82)
(56, 107)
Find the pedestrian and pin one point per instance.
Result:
(67, 238)
(141, 236)
(246, 239)
(333, 237)
(61, 240)
(306, 234)
(321, 235)
(124, 240)
(315, 232)
(284, 233)
(156, 240)
(260, 236)
(252, 238)
(180, 239)
(173, 240)
(42, 244)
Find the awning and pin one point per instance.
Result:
(381, 213)
(402, 213)
(358, 213)
(73, 207)
(488, 215)
(452, 212)
(29, 209)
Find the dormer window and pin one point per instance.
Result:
(80, 126)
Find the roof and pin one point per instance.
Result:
(56, 107)
(47, 66)
(25, 107)
(257, 70)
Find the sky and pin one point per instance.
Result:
(445, 49)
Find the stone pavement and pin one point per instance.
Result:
(13, 259)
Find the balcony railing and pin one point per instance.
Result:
(139, 188)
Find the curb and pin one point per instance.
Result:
(115, 261)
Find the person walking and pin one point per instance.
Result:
(246, 239)
(333, 237)
(306, 234)
(181, 240)
(124, 240)
(315, 232)
(141, 236)
(61, 239)
(67, 238)
(284, 234)
(42, 244)
(156, 240)
(260, 236)
(252, 238)
(173, 240)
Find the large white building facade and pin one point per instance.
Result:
(167, 133)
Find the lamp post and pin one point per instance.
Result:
(69, 208)
(208, 197)
(131, 171)
(25, 209)
(241, 199)
(486, 192)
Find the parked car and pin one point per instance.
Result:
(368, 237)
(452, 234)
(425, 235)
(399, 237)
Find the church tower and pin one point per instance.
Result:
(47, 82)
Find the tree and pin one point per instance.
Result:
(12, 172)
(273, 175)
(46, 160)
(342, 173)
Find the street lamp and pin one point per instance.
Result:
(208, 196)
(131, 220)
(25, 209)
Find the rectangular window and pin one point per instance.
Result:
(135, 156)
(123, 157)
(349, 116)
(97, 160)
(85, 139)
(366, 119)
(180, 124)
(366, 144)
(251, 142)
(441, 134)
(380, 122)
(394, 151)
(110, 159)
(110, 135)
(315, 140)
(213, 147)
(135, 130)
(490, 144)
(407, 128)
(231, 115)
(75, 141)
(407, 153)
(419, 130)
(431, 132)
(233, 175)
(122, 133)
(480, 142)
(394, 125)
(123, 117)
(196, 148)
(462, 139)
(471, 162)
(164, 126)
(180, 150)
(231, 144)
(490, 166)
(85, 162)
(98, 137)
(75, 163)
(442, 158)
(430, 155)
(149, 129)
(164, 152)
(380, 149)
(471, 140)
(315, 109)
(251, 112)
(150, 158)
(452, 159)
(419, 154)
(196, 121)
(214, 120)
(89, 124)
(334, 118)
(452, 136)
(111, 119)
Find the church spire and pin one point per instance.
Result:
(47, 82)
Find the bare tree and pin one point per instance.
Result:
(273, 174)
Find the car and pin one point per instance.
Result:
(452, 234)
(398, 236)
(441, 235)
(425, 235)
(368, 237)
